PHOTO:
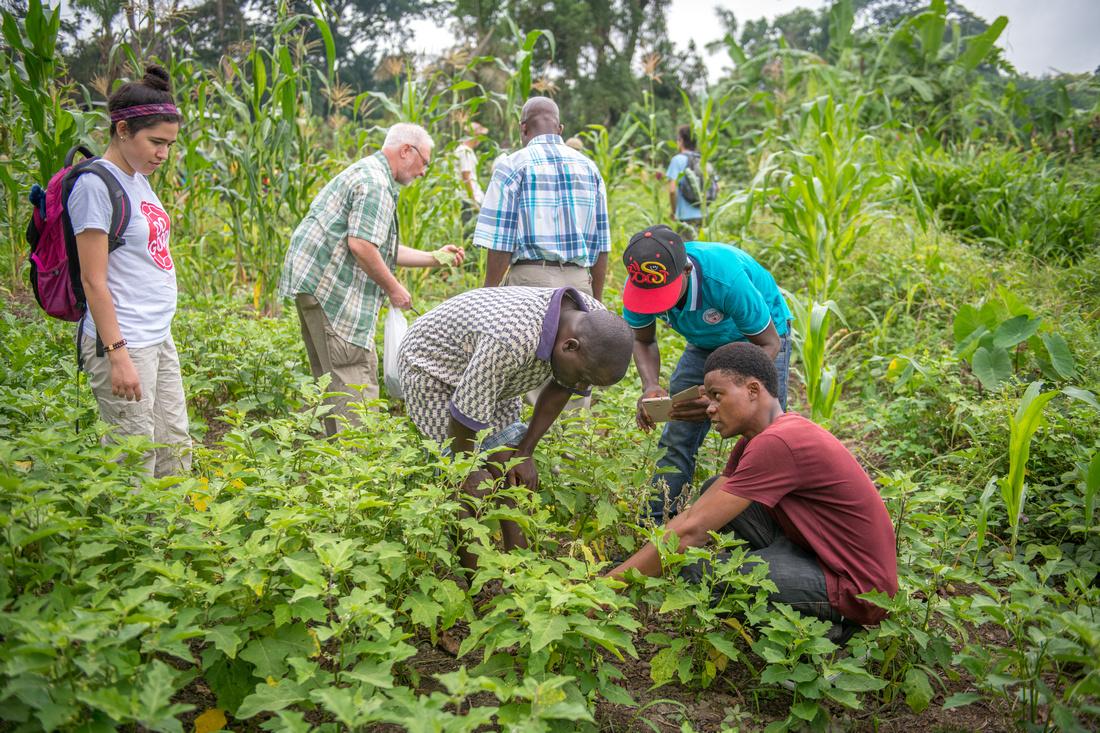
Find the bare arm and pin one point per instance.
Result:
(91, 246)
(714, 510)
(409, 257)
(370, 259)
(468, 184)
(599, 275)
(768, 340)
(672, 196)
(647, 358)
(496, 264)
(551, 402)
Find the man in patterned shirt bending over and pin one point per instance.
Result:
(466, 364)
(544, 216)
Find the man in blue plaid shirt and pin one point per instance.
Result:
(544, 215)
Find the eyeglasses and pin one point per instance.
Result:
(420, 155)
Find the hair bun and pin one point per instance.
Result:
(156, 76)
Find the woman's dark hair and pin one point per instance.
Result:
(684, 133)
(154, 88)
(742, 360)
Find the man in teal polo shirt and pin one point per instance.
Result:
(712, 294)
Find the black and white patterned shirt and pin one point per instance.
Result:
(473, 356)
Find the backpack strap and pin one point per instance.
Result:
(120, 205)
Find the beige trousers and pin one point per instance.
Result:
(354, 369)
(161, 413)
(550, 275)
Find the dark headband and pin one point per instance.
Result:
(144, 110)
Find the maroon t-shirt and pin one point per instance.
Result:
(824, 501)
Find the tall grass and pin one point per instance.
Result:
(1011, 200)
(825, 191)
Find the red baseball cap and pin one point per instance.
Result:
(655, 259)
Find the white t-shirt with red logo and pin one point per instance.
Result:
(140, 274)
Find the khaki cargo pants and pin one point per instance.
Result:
(161, 413)
(354, 369)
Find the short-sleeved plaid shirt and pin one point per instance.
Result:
(546, 202)
(475, 355)
(359, 202)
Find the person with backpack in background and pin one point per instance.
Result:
(125, 339)
(684, 180)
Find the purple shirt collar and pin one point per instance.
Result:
(550, 323)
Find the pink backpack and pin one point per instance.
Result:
(55, 266)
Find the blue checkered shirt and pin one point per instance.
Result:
(546, 202)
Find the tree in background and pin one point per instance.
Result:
(594, 73)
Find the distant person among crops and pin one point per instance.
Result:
(466, 165)
(689, 215)
(712, 294)
(794, 493)
(544, 216)
(465, 365)
(126, 336)
(340, 265)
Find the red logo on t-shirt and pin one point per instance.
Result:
(159, 226)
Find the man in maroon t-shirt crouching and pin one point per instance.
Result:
(794, 493)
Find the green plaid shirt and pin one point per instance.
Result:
(360, 202)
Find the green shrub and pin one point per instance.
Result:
(1011, 200)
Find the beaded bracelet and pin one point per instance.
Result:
(115, 346)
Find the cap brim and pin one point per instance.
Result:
(652, 300)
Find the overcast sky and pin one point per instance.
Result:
(1043, 36)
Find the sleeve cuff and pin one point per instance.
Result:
(469, 422)
(760, 331)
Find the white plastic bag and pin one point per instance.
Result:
(392, 336)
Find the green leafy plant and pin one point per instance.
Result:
(1025, 422)
(814, 345)
(825, 192)
(990, 337)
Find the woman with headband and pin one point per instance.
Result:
(126, 342)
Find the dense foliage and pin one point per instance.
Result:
(940, 256)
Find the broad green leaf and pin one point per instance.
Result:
(347, 703)
(270, 698)
(960, 699)
(806, 710)
(1060, 357)
(858, 682)
(330, 44)
(423, 611)
(550, 631)
(978, 47)
(225, 639)
(917, 689)
(677, 599)
(991, 367)
(1015, 330)
(1082, 395)
(662, 666)
(1092, 486)
(269, 654)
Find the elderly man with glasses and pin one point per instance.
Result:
(340, 265)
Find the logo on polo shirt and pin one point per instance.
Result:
(713, 316)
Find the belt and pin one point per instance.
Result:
(548, 263)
